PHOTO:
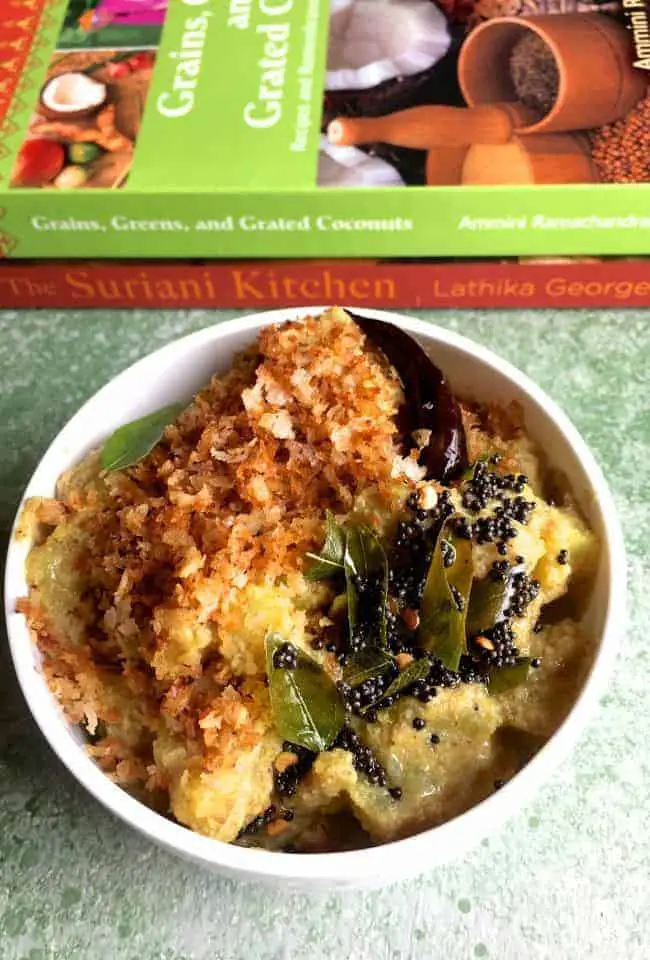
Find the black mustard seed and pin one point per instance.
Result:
(285, 657)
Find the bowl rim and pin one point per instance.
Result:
(452, 836)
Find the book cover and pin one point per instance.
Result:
(430, 284)
(324, 128)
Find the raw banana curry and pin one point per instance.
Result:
(327, 604)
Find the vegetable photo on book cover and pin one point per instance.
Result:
(83, 131)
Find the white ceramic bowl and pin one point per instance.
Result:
(176, 372)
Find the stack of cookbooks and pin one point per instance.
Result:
(271, 152)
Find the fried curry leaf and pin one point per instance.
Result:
(443, 610)
(330, 560)
(365, 560)
(489, 601)
(417, 670)
(429, 402)
(307, 708)
(503, 679)
(133, 441)
(365, 664)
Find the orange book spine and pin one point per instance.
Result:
(266, 284)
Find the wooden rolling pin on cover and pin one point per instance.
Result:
(428, 127)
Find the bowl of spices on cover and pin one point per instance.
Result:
(316, 598)
(574, 71)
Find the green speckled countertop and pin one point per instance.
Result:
(566, 879)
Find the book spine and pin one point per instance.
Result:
(265, 284)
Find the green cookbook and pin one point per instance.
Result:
(323, 128)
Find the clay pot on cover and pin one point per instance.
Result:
(444, 166)
(548, 158)
(594, 55)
